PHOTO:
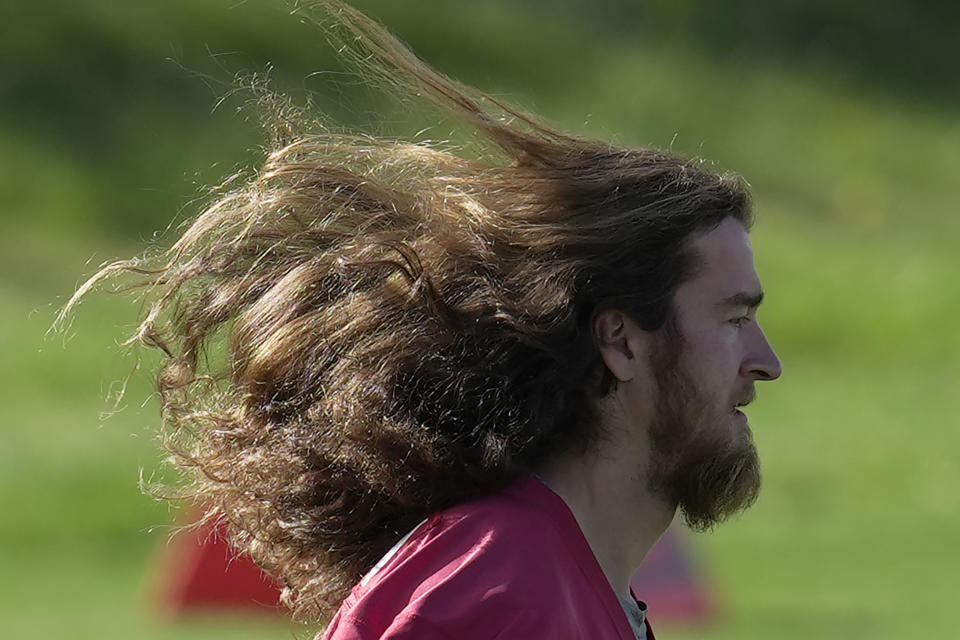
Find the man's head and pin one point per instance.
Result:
(409, 327)
(680, 386)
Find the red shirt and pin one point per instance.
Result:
(511, 566)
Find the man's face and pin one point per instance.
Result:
(705, 364)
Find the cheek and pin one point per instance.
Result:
(709, 344)
(713, 361)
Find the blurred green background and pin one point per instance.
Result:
(842, 115)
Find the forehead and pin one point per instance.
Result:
(726, 268)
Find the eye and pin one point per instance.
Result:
(740, 322)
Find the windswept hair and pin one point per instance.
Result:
(401, 328)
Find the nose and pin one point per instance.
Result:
(762, 362)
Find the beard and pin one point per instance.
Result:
(705, 463)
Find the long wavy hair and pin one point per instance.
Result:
(369, 330)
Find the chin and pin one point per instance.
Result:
(718, 479)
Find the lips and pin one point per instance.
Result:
(746, 399)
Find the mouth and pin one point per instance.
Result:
(739, 415)
(744, 401)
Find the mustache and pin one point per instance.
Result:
(747, 397)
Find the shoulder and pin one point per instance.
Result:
(495, 544)
(475, 570)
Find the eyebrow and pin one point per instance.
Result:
(749, 300)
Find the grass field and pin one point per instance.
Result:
(856, 534)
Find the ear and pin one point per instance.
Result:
(621, 343)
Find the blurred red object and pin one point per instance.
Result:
(671, 584)
(200, 571)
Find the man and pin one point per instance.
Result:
(501, 567)
(462, 398)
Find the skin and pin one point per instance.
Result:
(724, 352)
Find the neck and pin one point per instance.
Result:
(608, 493)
